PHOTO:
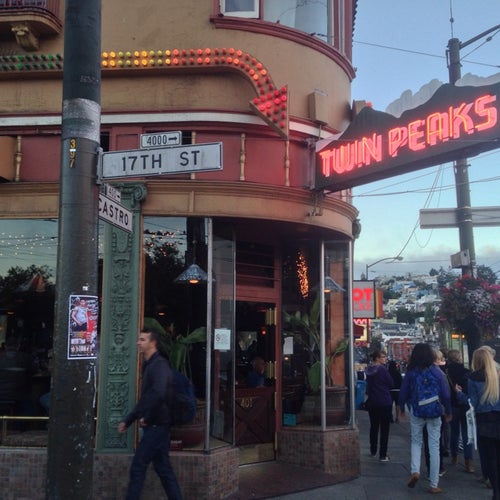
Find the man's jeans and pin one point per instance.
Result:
(153, 447)
(434, 433)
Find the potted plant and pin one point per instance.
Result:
(306, 329)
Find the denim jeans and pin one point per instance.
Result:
(433, 433)
(153, 447)
(459, 424)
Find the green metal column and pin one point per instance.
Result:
(120, 320)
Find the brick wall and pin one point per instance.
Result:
(201, 476)
(335, 451)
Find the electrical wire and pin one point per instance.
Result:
(427, 54)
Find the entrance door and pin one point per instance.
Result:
(255, 411)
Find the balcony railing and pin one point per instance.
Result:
(50, 6)
(29, 20)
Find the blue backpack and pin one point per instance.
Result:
(425, 401)
(184, 400)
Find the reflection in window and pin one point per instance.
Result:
(319, 18)
(310, 16)
(28, 255)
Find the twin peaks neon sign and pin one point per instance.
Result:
(456, 122)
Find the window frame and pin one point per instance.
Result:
(250, 14)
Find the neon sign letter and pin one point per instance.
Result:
(490, 113)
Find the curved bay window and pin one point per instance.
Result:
(324, 20)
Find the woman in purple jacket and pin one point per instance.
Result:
(378, 389)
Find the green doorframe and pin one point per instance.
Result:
(120, 320)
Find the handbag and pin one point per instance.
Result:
(470, 417)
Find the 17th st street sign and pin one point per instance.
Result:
(169, 160)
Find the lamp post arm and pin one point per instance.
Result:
(398, 257)
(478, 37)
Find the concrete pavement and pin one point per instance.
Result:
(388, 480)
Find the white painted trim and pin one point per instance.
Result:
(124, 118)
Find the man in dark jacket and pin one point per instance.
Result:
(153, 413)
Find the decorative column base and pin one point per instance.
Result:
(334, 451)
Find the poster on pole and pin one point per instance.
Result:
(82, 326)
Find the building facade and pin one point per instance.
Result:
(211, 115)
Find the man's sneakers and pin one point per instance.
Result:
(413, 480)
(384, 459)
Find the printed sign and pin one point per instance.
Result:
(222, 339)
(363, 299)
(83, 317)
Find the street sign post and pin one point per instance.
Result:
(112, 193)
(114, 213)
(171, 160)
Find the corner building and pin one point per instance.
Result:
(243, 91)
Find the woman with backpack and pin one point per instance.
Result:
(426, 392)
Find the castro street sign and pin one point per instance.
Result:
(457, 122)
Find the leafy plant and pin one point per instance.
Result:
(306, 326)
(177, 346)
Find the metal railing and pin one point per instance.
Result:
(51, 6)
(4, 433)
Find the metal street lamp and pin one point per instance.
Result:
(398, 257)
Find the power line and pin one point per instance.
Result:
(426, 54)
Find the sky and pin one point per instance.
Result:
(400, 46)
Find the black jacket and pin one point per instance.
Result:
(457, 374)
(156, 393)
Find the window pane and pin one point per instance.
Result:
(173, 246)
(28, 251)
(309, 16)
(241, 8)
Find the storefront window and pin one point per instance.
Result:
(176, 294)
(306, 325)
(223, 358)
(28, 254)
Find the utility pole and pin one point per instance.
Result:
(70, 458)
(461, 167)
(461, 170)
(464, 210)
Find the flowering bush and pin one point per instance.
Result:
(472, 305)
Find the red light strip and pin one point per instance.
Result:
(271, 103)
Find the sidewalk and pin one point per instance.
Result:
(381, 480)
